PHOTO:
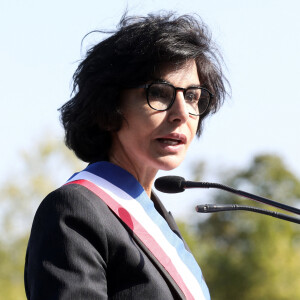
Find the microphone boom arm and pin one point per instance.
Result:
(210, 208)
(193, 184)
(177, 184)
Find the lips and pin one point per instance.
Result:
(170, 142)
(173, 139)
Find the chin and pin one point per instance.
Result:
(169, 163)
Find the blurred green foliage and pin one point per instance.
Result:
(242, 255)
(43, 169)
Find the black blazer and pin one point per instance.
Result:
(78, 249)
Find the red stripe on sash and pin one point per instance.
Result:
(140, 231)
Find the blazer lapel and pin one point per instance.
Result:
(168, 217)
(177, 292)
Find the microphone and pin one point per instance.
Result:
(177, 184)
(170, 184)
(209, 208)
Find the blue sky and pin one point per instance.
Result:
(260, 42)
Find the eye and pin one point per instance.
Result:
(156, 91)
(192, 95)
(160, 91)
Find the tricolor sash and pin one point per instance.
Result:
(124, 195)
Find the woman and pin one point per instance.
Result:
(140, 97)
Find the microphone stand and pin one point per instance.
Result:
(210, 208)
(206, 208)
(193, 184)
(177, 184)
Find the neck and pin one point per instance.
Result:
(145, 176)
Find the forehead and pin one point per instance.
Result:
(183, 74)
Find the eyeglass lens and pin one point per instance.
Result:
(161, 96)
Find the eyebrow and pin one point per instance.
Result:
(160, 80)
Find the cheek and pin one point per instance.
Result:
(144, 120)
(193, 128)
(137, 126)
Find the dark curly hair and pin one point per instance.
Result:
(129, 57)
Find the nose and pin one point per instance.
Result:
(178, 112)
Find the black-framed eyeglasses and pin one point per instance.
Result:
(162, 95)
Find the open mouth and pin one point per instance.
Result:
(171, 142)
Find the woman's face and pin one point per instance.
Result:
(150, 139)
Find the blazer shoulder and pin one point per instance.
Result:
(72, 200)
(71, 195)
(68, 234)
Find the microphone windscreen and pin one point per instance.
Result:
(170, 184)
